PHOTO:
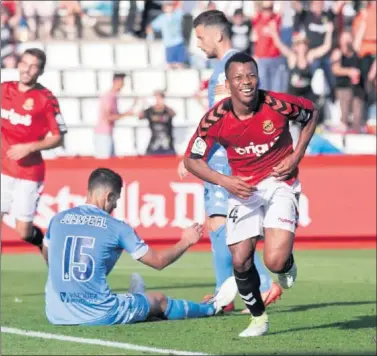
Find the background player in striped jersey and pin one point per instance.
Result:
(29, 112)
(263, 190)
(213, 32)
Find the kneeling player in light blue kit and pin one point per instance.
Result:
(81, 247)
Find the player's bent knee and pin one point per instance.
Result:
(241, 263)
(275, 263)
(158, 303)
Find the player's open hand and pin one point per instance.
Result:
(19, 151)
(285, 168)
(193, 234)
(238, 186)
(182, 171)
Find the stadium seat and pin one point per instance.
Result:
(90, 111)
(8, 75)
(97, 55)
(183, 82)
(131, 55)
(79, 82)
(51, 79)
(70, 108)
(124, 140)
(205, 74)
(157, 58)
(142, 136)
(63, 55)
(83, 136)
(182, 135)
(23, 46)
(125, 104)
(194, 111)
(178, 105)
(146, 81)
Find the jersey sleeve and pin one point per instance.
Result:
(207, 133)
(131, 242)
(54, 117)
(295, 108)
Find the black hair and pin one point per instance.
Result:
(238, 12)
(104, 177)
(239, 57)
(38, 53)
(119, 75)
(214, 18)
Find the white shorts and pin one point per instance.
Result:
(274, 205)
(20, 197)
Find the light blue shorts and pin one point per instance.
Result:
(130, 309)
(216, 197)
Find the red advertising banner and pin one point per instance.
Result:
(338, 200)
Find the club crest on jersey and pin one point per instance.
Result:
(199, 147)
(28, 104)
(268, 127)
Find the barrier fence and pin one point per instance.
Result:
(338, 203)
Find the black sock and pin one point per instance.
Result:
(288, 265)
(36, 237)
(248, 284)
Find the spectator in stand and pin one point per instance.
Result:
(152, 8)
(15, 11)
(129, 23)
(300, 59)
(270, 62)
(169, 23)
(241, 32)
(71, 12)
(108, 115)
(314, 24)
(160, 119)
(365, 25)
(37, 13)
(349, 83)
(7, 38)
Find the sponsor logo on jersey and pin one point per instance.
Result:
(268, 127)
(199, 147)
(28, 104)
(15, 118)
(258, 150)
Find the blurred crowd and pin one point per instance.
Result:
(289, 39)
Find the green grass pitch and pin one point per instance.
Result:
(330, 310)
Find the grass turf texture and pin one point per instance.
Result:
(330, 310)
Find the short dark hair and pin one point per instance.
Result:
(239, 57)
(38, 53)
(119, 75)
(101, 177)
(214, 18)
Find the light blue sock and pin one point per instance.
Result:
(265, 278)
(179, 309)
(222, 259)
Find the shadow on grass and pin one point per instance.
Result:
(360, 322)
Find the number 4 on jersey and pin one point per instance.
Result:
(233, 214)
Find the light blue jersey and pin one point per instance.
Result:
(216, 197)
(84, 243)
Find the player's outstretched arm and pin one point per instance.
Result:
(161, 259)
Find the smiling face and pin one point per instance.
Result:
(29, 69)
(242, 82)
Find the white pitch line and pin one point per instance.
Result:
(99, 342)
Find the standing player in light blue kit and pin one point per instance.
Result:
(81, 247)
(213, 33)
